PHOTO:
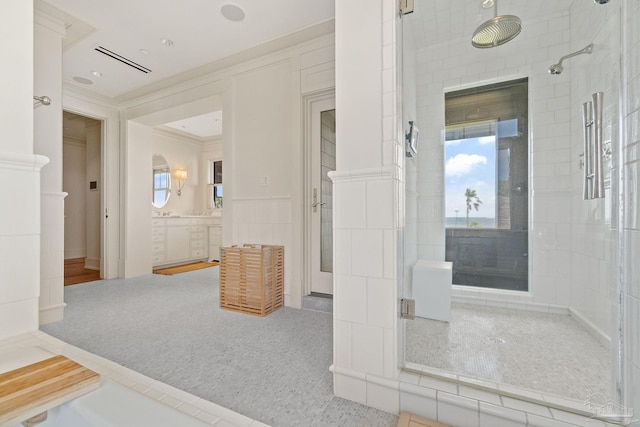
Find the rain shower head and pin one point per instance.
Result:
(558, 68)
(496, 31)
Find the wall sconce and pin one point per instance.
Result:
(180, 175)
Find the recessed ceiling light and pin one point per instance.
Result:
(96, 73)
(144, 51)
(82, 80)
(232, 12)
(166, 42)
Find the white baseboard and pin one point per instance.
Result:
(52, 313)
(503, 298)
(74, 253)
(92, 264)
(602, 337)
(368, 389)
(449, 400)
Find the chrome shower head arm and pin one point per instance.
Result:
(557, 68)
(585, 51)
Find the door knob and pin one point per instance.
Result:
(315, 203)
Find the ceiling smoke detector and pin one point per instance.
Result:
(232, 12)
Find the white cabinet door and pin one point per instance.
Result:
(215, 241)
(178, 243)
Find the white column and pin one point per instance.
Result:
(47, 128)
(366, 200)
(20, 175)
(137, 223)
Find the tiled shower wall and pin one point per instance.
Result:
(592, 247)
(558, 233)
(455, 64)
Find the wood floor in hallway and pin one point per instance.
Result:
(75, 272)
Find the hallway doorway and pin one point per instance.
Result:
(75, 272)
(81, 180)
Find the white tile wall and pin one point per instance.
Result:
(562, 224)
(367, 253)
(368, 349)
(591, 273)
(349, 298)
(52, 256)
(19, 243)
(366, 212)
(454, 64)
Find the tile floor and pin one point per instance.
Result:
(549, 353)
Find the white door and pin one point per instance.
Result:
(323, 154)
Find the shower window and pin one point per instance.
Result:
(486, 182)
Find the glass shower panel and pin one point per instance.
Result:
(560, 328)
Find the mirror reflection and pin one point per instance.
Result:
(161, 182)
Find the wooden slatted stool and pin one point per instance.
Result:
(33, 389)
(409, 420)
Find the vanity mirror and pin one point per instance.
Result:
(161, 182)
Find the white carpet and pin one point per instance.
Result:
(274, 369)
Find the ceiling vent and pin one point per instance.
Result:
(122, 59)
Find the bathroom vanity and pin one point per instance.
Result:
(181, 240)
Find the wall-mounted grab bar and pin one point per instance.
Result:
(598, 178)
(593, 183)
(587, 120)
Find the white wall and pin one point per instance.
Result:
(259, 163)
(261, 100)
(16, 107)
(262, 131)
(181, 153)
(137, 200)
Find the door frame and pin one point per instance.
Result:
(308, 101)
(110, 263)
